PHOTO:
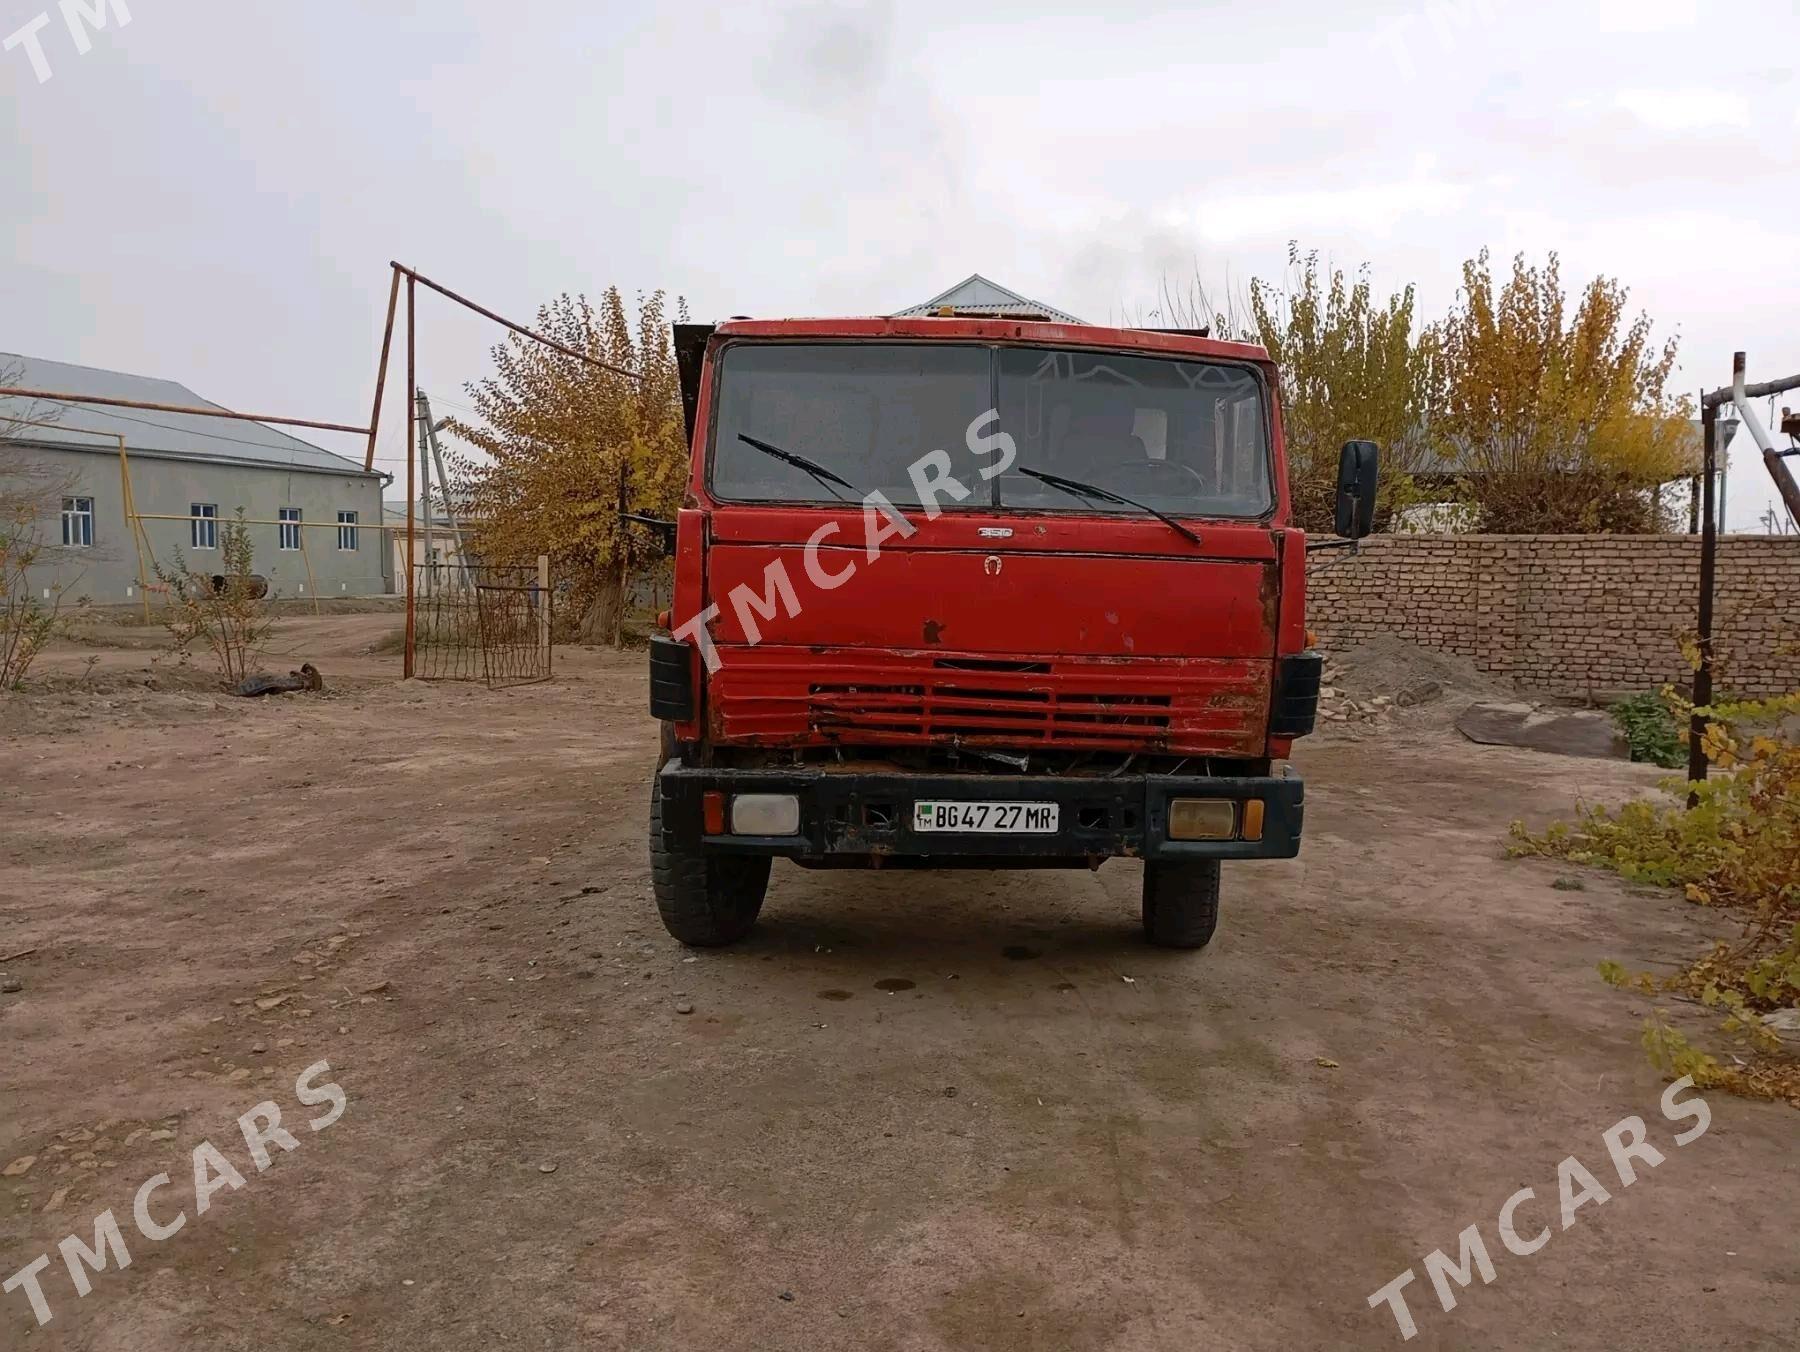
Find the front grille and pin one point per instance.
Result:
(949, 707)
(1212, 706)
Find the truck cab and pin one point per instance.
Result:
(956, 592)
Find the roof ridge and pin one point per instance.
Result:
(1013, 297)
(108, 371)
(198, 433)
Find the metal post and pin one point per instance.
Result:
(387, 341)
(543, 609)
(443, 478)
(1709, 543)
(306, 558)
(1724, 470)
(424, 412)
(412, 411)
(135, 526)
(1740, 395)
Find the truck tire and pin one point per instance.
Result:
(705, 900)
(1181, 902)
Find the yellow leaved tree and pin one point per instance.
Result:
(1529, 418)
(1557, 423)
(1350, 368)
(563, 447)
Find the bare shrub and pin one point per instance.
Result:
(228, 612)
(1737, 847)
(28, 620)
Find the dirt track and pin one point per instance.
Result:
(1055, 1138)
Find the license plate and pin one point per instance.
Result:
(1026, 819)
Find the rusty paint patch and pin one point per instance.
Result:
(934, 631)
(1251, 702)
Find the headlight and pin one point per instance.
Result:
(765, 814)
(1202, 818)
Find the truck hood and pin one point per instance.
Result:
(1000, 587)
(1055, 633)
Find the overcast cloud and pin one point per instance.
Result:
(212, 193)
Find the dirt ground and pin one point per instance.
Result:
(914, 1111)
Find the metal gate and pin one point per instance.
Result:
(486, 622)
(514, 620)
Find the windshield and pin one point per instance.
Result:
(1184, 437)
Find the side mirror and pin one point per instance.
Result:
(665, 530)
(1359, 471)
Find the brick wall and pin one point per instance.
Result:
(1569, 614)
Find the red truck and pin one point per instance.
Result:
(961, 592)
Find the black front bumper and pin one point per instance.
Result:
(848, 815)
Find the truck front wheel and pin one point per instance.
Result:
(1181, 902)
(706, 900)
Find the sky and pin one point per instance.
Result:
(211, 192)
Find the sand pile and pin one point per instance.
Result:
(1387, 673)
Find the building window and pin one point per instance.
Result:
(78, 522)
(203, 527)
(346, 530)
(290, 527)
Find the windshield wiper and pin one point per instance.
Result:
(800, 462)
(1076, 488)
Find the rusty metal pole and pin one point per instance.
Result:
(108, 401)
(387, 342)
(1741, 395)
(412, 412)
(519, 329)
(1709, 546)
(425, 493)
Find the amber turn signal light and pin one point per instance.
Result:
(712, 812)
(1253, 819)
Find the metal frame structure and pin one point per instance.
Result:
(431, 457)
(1739, 395)
(415, 279)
